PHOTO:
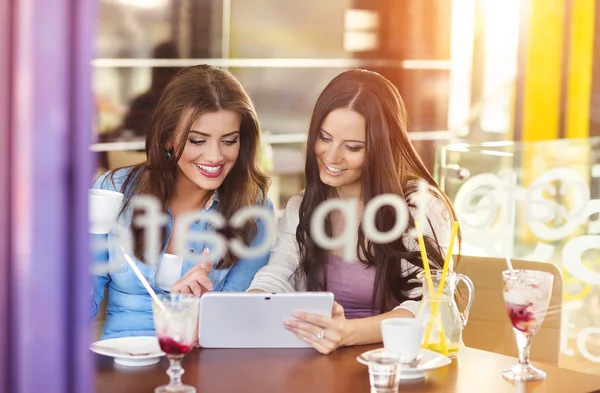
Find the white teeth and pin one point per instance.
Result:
(209, 169)
(332, 169)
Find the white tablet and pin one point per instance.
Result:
(255, 320)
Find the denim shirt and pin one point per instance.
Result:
(129, 308)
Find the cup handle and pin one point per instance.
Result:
(464, 316)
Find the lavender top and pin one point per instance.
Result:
(278, 274)
(352, 286)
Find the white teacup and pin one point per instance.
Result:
(403, 336)
(104, 206)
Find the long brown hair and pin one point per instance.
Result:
(194, 91)
(391, 165)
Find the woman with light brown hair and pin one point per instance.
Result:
(357, 149)
(203, 155)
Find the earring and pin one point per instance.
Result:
(169, 155)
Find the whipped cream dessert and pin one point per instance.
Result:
(526, 296)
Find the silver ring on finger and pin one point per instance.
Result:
(321, 334)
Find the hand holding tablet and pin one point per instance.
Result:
(256, 320)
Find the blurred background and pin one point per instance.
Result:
(284, 53)
(489, 86)
(502, 97)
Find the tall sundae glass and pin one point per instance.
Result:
(526, 296)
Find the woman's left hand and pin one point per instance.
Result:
(324, 334)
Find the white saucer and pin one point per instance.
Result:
(130, 351)
(430, 360)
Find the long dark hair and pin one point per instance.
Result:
(194, 91)
(391, 165)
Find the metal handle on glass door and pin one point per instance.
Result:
(456, 172)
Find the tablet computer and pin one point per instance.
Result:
(255, 320)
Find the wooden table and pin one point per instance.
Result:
(304, 370)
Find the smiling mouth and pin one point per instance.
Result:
(333, 170)
(210, 171)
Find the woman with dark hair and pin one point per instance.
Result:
(203, 154)
(358, 148)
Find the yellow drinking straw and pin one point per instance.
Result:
(431, 294)
(445, 268)
(425, 261)
(447, 260)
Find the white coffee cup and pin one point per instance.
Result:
(403, 336)
(104, 207)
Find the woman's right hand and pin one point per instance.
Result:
(196, 280)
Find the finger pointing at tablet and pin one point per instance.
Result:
(196, 280)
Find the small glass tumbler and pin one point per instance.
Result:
(384, 371)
